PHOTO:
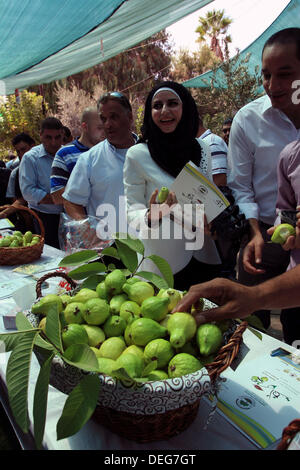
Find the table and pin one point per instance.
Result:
(219, 434)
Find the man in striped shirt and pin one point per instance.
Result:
(66, 157)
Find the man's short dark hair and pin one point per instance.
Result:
(67, 131)
(22, 137)
(51, 123)
(115, 96)
(284, 37)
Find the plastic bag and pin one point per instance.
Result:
(77, 235)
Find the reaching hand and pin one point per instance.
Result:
(233, 299)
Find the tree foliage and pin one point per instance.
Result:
(229, 89)
(188, 65)
(71, 101)
(25, 116)
(214, 27)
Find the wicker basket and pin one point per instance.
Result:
(23, 254)
(144, 424)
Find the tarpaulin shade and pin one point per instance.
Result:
(289, 17)
(45, 40)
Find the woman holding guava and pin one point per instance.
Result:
(168, 142)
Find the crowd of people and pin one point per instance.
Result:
(256, 160)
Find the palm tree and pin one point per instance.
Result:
(211, 27)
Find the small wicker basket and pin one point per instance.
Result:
(23, 254)
(145, 426)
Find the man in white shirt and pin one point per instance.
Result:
(97, 177)
(260, 130)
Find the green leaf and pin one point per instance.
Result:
(149, 368)
(40, 401)
(82, 357)
(75, 259)
(255, 332)
(110, 251)
(79, 407)
(53, 327)
(127, 255)
(164, 268)
(92, 281)
(254, 321)
(158, 281)
(17, 377)
(122, 375)
(22, 322)
(87, 270)
(10, 340)
(134, 243)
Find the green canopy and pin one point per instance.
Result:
(46, 40)
(289, 17)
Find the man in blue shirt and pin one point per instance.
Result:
(66, 157)
(97, 178)
(34, 178)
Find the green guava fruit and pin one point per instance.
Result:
(27, 236)
(139, 291)
(164, 321)
(114, 282)
(84, 295)
(132, 363)
(112, 347)
(159, 350)
(130, 311)
(42, 306)
(102, 291)
(95, 334)
(66, 299)
(114, 326)
(282, 232)
(173, 295)
(209, 339)
(155, 308)
(96, 311)
(157, 374)
(115, 303)
(144, 330)
(95, 351)
(163, 194)
(73, 312)
(42, 324)
(74, 334)
(127, 335)
(5, 242)
(182, 327)
(182, 364)
(106, 365)
(133, 349)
